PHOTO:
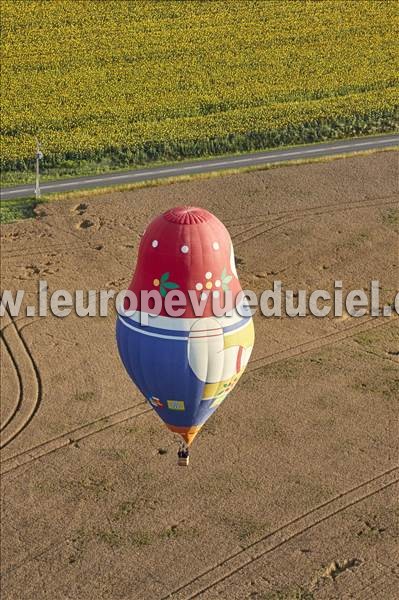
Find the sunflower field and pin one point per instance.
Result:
(139, 81)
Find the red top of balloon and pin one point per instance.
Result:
(186, 248)
(187, 215)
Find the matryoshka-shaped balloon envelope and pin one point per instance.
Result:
(185, 365)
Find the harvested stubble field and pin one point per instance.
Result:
(293, 483)
(125, 82)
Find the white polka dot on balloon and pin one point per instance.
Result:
(215, 245)
(198, 286)
(218, 283)
(154, 243)
(184, 249)
(208, 275)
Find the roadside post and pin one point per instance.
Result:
(39, 156)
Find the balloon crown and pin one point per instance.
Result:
(187, 215)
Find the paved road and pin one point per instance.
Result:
(205, 166)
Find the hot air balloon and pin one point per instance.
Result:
(185, 365)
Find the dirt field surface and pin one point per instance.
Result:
(292, 488)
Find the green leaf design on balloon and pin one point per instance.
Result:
(166, 285)
(171, 285)
(225, 279)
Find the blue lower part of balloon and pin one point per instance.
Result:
(160, 369)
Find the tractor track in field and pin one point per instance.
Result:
(325, 340)
(29, 380)
(50, 249)
(355, 204)
(276, 220)
(81, 432)
(44, 251)
(246, 556)
(19, 395)
(272, 541)
(71, 437)
(58, 249)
